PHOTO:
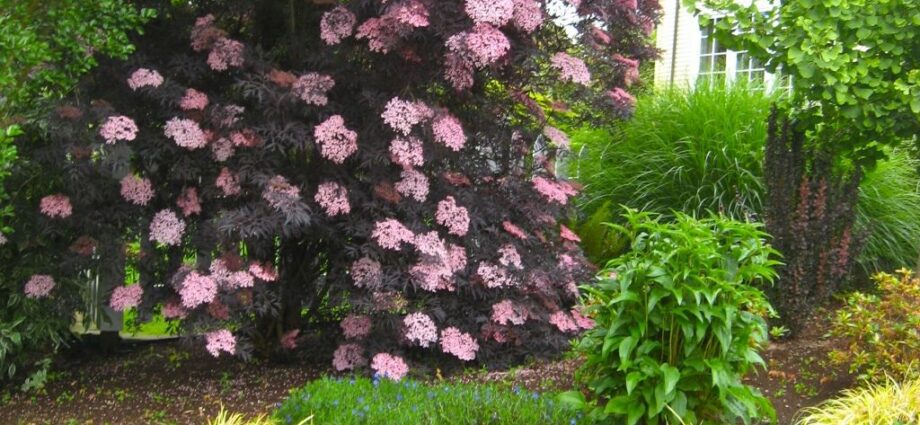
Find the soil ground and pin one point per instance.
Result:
(169, 383)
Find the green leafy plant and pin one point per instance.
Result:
(382, 401)
(680, 321)
(875, 404)
(882, 330)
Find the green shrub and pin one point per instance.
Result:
(702, 150)
(889, 404)
(882, 330)
(366, 401)
(679, 322)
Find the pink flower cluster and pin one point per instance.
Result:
(117, 128)
(630, 69)
(263, 271)
(222, 149)
(582, 321)
(407, 152)
(453, 216)
(568, 234)
(481, 47)
(173, 310)
(509, 256)
(554, 191)
(389, 366)
(495, 276)
(493, 12)
(432, 274)
(197, 289)
(402, 115)
(514, 230)
(333, 198)
(56, 206)
(225, 53)
(145, 78)
(528, 15)
(231, 279)
(460, 344)
(558, 138)
(414, 184)
(356, 327)
(430, 244)
(449, 132)
(337, 25)
(228, 182)
(167, 228)
(458, 71)
(39, 286)
(505, 312)
(348, 357)
(126, 297)
(193, 100)
(571, 68)
(280, 194)
(409, 13)
(563, 322)
(390, 234)
(189, 201)
(186, 133)
(312, 88)
(336, 142)
(366, 273)
(621, 98)
(420, 329)
(136, 190)
(222, 340)
(400, 19)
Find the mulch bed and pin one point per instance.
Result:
(169, 383)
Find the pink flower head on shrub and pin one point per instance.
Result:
(630, 69)
(145, 78)
(228, 182)
(39, 286)
(407, 152)
(225, 53)
(582, 321)
(263, 271)
(432, 275)
(621, 98)
(337, 25)
(126, 297)
(456, 258)
(222, 340)
(505, 313)
(336, 142)
(481, 47)
(452, 216)
(449, 132)
(186, 133)
(366, 273)
(173, 310)
(197, 289)
(514, 230)
(571, 68)
(136, 190)
(458, 71)
(390, 234)
(568, 234)
(280, 194)
(409, 13)
(222, 149)
(56, 206)
(460, 344)
(560, 139)
(389, 366)
(348, 357)
(509, 256)
(356, 327)
(552, 190)
(167, 228)
(528, 15)
(193, 100)
(563, 322)
(414, 184)
(189, 201)
(493, 12)
(239, 279)
(118, 127)
(333, 198)
(420, 329)
(402, 115)
(311, 88)
(495, 276)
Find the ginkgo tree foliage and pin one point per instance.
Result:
(384, 159)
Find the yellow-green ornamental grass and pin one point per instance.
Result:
(891, 404)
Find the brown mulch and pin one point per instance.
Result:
(161, 383)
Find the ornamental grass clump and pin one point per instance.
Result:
(344, 401)
(891, 403)
(680, 319)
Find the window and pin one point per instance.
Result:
(749, 69)
(713, 56)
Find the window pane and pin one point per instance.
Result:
(705, 64)
(719, 63)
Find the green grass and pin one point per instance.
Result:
(366, 401)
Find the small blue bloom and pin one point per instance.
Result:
(535, 396)
(367, 408)
(399, 397)
(335, 402)
(572, 422)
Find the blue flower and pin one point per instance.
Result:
(335, 402)
(535, 396)
(572, 422)
(399, 397)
